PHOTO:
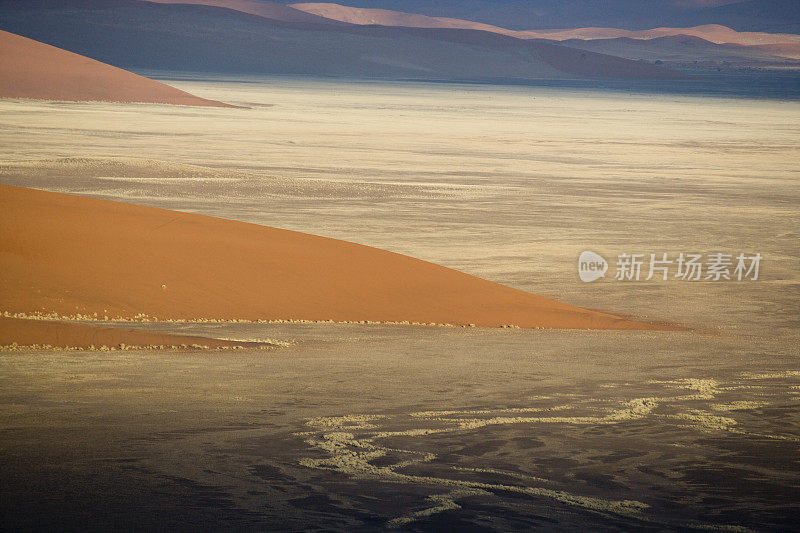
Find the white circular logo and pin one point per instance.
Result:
(591, 266)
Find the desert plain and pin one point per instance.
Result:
(343, 426)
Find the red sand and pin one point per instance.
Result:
(64, 335)
(75, 255)
(30, 69)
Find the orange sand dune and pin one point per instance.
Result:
(30, 69)
(76, 255)
(65, 335)
(710, 32)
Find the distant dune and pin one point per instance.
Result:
(454, 50)
(386, 17)
(685, 49)
(785, 50)
(66, 335)
(261, 8)
(75, 255)
(711, 32)
(30, 69)
(708, 44)
(751, 15)
(228, 37)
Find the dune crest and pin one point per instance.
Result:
(31, 69)
(76, 255)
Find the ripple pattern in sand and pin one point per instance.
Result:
(403, 448)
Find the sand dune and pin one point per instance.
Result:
(689, 49)
(751, 15)
(710, 32)
(203, 38)
(261, 8)
(56, 334)
(783, 50)
(75, 255)
(30, 69)
(709, 43)
(386, 17)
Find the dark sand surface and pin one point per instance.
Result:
(469, 430)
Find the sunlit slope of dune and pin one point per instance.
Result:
(75, 255)
(30, 69)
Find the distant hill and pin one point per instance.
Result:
(711, 32)
(687, 51)
(261, 8)
(781, 16)
(711, 46)
(145, 35)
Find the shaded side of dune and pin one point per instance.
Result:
(74, 255)
(50, 333)
(261, 8)
(30, 69)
